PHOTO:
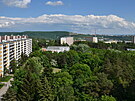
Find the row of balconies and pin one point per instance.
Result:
(5, 52)
(11, 51)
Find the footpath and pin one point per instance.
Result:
(4, 89)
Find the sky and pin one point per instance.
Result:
(80, 16)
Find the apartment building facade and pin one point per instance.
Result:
(11, 47)
(92, 39)
(67, 40)
(133, 39)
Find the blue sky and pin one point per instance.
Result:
(82, 16)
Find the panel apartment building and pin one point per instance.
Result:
(67, 40)
(92, 39)
(11, 47)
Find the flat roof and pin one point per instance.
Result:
(12, 40)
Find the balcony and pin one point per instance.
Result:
(5, 61)
(0, 66)
(4, 48)
(4, 51)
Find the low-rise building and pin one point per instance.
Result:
(129, 49)
(111, 41)
(57, 48)
(128, 41)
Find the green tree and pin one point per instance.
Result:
(97, 86)
(29, 87)
(62, 60)
(23, 59)
(13, 66)
(91, 60)
(45, 91)
(26, 80)
(80, 47)
(63, 87)
(107, 98)
(35, 45)
(45, 61)
(80, 74)
(72, 58)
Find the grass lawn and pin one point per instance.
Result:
(1, 85)
(5, 79)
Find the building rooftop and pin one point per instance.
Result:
(56, 47)
(12, 40)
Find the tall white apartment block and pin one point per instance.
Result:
(11, 47)
(92, 39)
(67, 40)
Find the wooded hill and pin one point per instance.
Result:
(55, 35)
(40, 34)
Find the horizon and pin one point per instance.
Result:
(111, 17)
(74, 33)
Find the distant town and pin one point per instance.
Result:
(23, 52)
(12, 47)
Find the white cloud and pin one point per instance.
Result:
(55, 3)
(77, 23)
(17, 3)
(6, 24)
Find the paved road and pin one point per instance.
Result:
(4, 89)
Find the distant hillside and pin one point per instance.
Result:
(40, 34)
(106, 37)
(55, 35)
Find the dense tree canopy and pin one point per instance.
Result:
(88, 72)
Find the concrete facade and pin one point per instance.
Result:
(67, 40)
(133, 39)
(11, 48)
(92, 39)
